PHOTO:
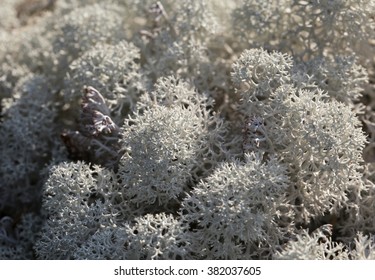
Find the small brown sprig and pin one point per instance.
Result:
(157, 12)
(255, 135)
(96, 139)
(95, 117)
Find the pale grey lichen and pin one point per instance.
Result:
(168, 129)
(236, 209)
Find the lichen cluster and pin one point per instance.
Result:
(140, 129)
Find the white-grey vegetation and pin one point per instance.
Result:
(142, 129)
